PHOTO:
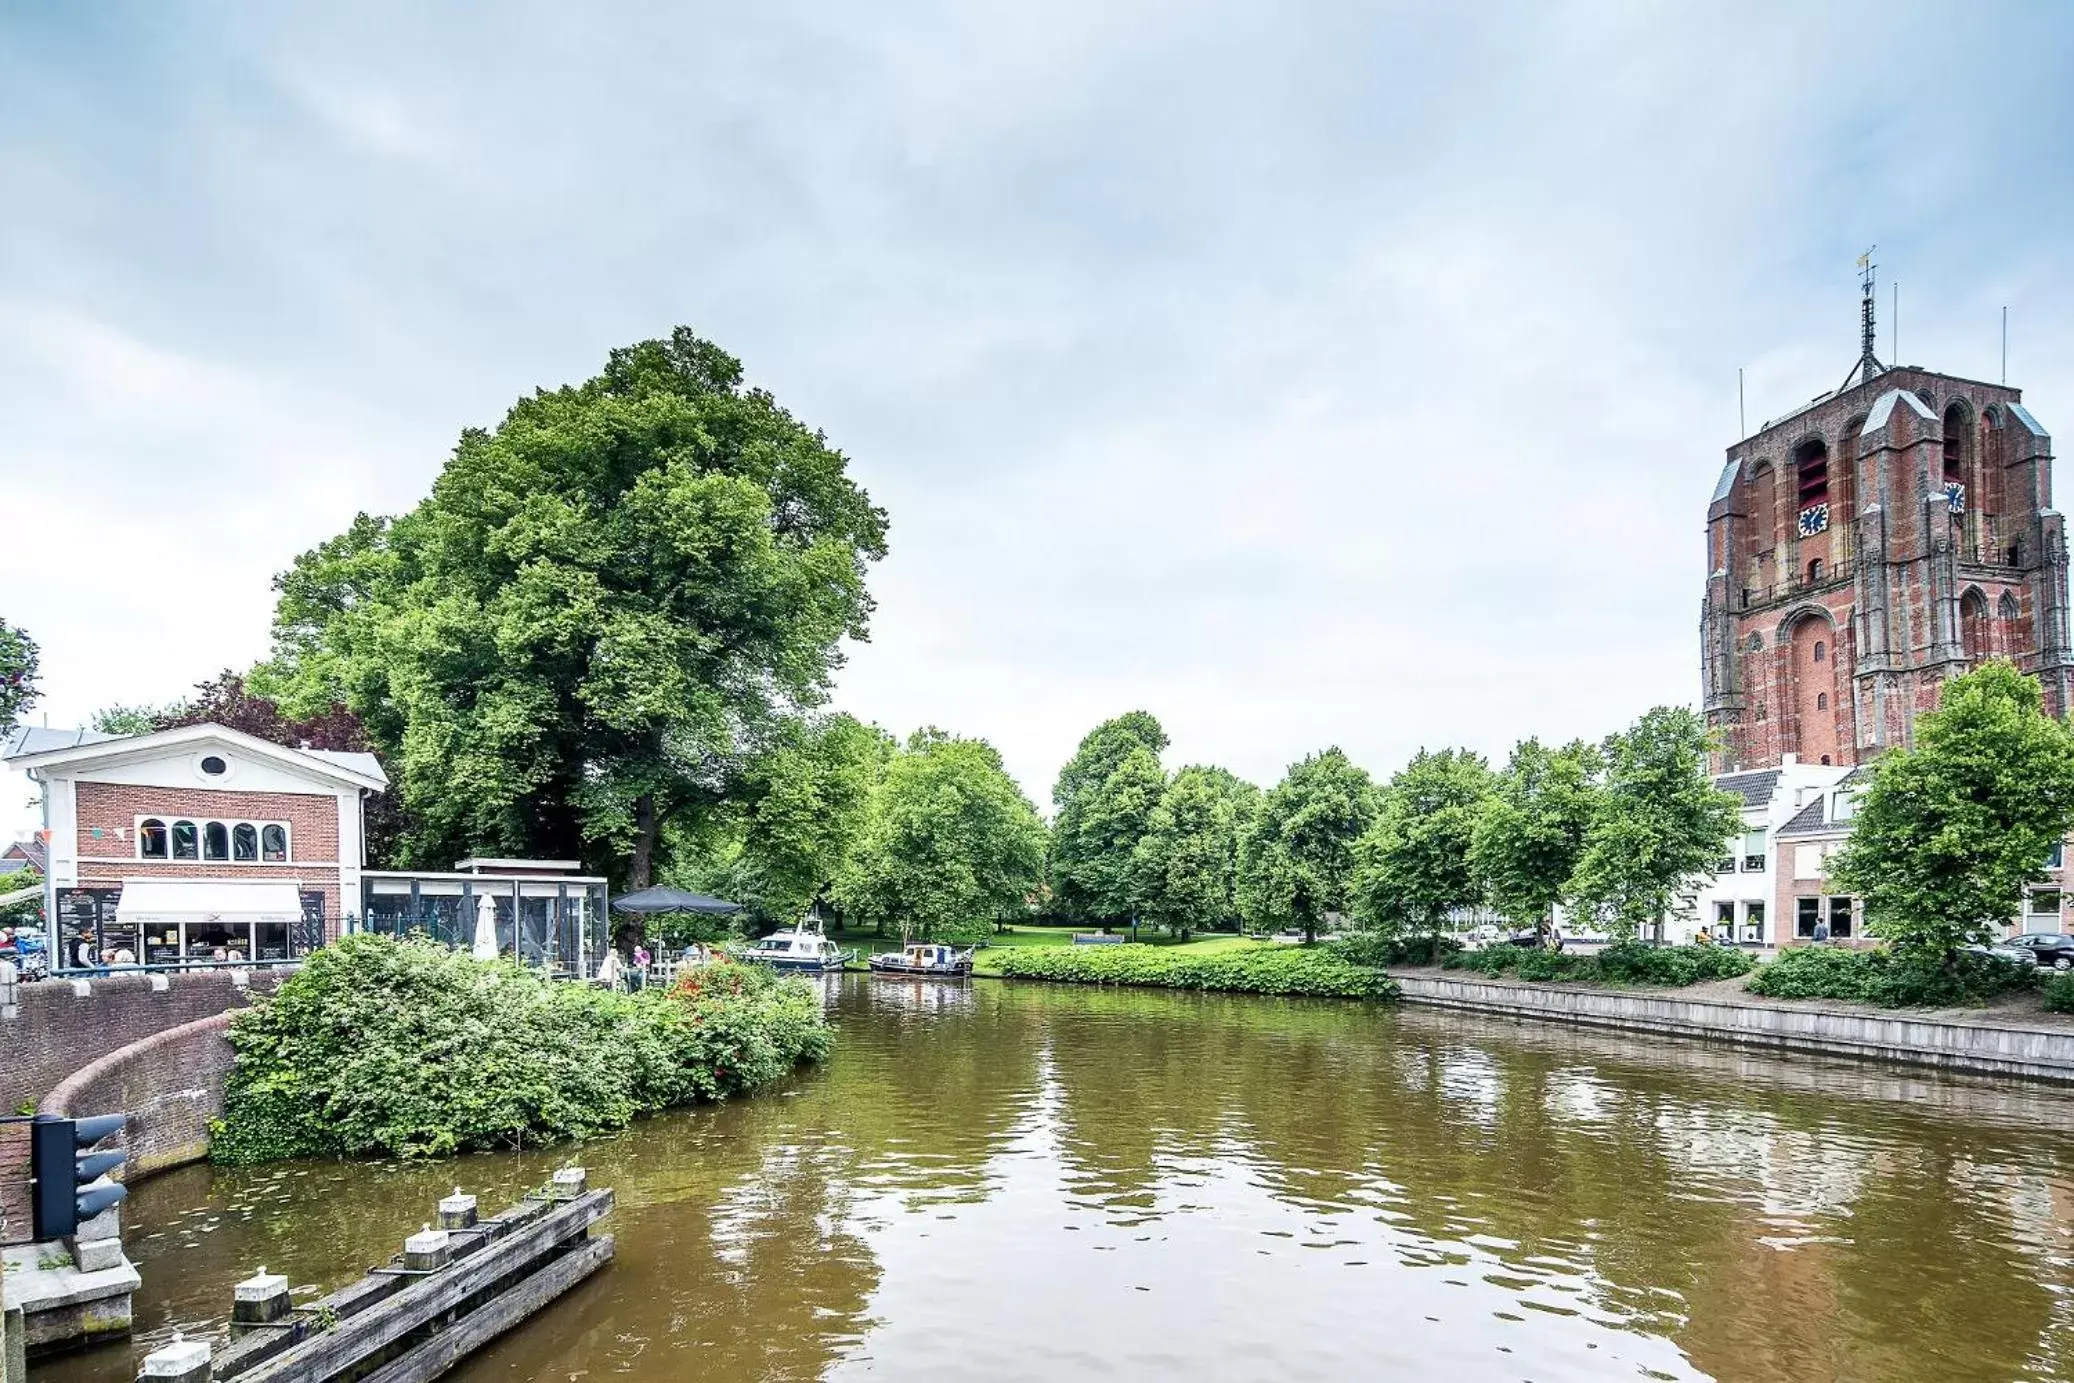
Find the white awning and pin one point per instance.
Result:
(172, 901)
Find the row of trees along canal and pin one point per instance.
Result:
(608, 634)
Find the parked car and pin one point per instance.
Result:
(1531, 939)
(2009, 951)
(1478, 937)
(2053, 950)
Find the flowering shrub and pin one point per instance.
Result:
(1276, 970)
(408, 1049)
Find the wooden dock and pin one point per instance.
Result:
(448, 1293)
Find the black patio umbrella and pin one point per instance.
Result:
(650, 901)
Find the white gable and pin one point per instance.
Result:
(184, 758)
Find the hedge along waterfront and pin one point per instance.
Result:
(407, 1049)
(1268, 970)
(1626, 962)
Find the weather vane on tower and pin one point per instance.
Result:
(1868, 363)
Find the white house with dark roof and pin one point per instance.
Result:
(1738, 902)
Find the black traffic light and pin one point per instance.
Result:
(64, 1171)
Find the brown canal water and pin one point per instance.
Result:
(1034, 1182)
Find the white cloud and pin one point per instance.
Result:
(1306, 377)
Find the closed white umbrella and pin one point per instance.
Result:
(485, 928)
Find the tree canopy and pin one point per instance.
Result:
(1185, 869)
(1098, 823)
(1660, 823)
(605, 603)
(18, 686)
(793, 817)
(1296, 855)
(1947, 833)
(1531, 832)
(1413, 865)
(949, 845)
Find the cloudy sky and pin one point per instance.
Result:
(1308, 374)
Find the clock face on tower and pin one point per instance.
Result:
(1955, 496)
(1814, 519)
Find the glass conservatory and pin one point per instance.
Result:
(546, 914)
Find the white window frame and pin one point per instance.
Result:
(230, 826)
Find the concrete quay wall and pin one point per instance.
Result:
(2036, 1053)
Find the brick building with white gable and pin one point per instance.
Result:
(181, 843)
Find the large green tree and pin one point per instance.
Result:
(18, 686)
(1096, 827)
(1660, 824)
(1530, 834)
(605, 604)
(1412, 865)
(1185, 868)
(1949, 832)
(1296, 856)
(793, 818)
(950, 844)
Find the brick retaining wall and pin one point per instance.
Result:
(150, 1046)
(170, 1084)
(55, 1030)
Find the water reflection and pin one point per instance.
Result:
(1028, 1182)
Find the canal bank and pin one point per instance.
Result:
(2034, 1051)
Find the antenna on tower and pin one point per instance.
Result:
(1868, 362)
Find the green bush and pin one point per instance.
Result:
(1877, 977)
(1632, 962)
(2059, 993)
(1373, 948)
(408, 1049)
(1268, 970)
(1491, 960)
(1626, 962)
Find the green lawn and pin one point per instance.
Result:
(988, 961)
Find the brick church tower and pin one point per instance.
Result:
(1882, 538)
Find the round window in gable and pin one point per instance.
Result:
(214, 766)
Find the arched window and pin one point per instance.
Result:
(1814, 571)
(186, 841)
(1955, 439)
(1821, 701)
(1811, 468)
(2010, 609)
(1973, 624)
(1821, 651)
(151, 839)
(215, 841)
(273, 844)
(1825, 761)
(244, 843)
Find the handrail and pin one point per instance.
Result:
(102, 972)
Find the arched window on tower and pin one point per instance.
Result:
(2011, 614)
(1811, 471)
(1821, 701)
(1814, 571)
(1821, 650)
(1973, 625)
